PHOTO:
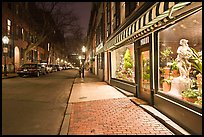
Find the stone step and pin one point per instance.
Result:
(126, 93)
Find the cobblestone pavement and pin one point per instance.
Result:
(112, 117)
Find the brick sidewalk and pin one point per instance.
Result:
(112, 117)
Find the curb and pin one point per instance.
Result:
(64, 129)
(9, 77)
(172, 126)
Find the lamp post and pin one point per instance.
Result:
(5, 40)
(48, 49)
(84, 55)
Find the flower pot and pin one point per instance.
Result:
(192, 100)
(166, 72)
(199, 82)
(175, 73)
(166, 87)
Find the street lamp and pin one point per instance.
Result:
(84, 54)
(5, 40)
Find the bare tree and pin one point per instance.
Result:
(46, 19)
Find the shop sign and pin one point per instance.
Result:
(100, 46)
(144, 41)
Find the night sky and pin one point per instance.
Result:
(83, 10)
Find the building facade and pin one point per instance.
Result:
(15, 27)
(20, 34)
(154, 50)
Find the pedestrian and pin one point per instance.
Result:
(80, 72)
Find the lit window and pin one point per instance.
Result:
(180, 60)
(8, 26)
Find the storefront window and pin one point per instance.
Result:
(122, 63)
(180, 60)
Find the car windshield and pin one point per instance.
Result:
(29, 66)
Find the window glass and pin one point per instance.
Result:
(122, 62)
(180, 60)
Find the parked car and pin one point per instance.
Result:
(54, 68)
(48, 68)
(59, 68)
(31, 69)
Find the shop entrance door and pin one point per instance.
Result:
(144, 80)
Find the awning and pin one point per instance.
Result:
(159, 13)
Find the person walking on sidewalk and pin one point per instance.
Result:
(80, 72)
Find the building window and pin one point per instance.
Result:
(101, 61)
(23, 35)
(9, 6)
(116, 15)
(122, 12)
(99, 33)
(180, 60)
(8, 27)
(17, 9)
(122, 63)
(108, 10)
(129, 7)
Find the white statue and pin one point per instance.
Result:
(184, 53)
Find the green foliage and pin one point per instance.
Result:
(190, 93)
(198, 102)
(174, 65)
(128, 62)
(165, 54)
(196, 60)
(146, 73)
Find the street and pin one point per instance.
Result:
(33, 106)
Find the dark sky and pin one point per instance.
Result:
(83, 10)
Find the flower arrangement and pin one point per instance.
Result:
(190, 93)
(165, 54)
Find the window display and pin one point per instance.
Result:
(180, 60)
(122, 63)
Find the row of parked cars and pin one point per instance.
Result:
(35, 69)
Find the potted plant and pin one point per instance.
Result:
(190, 95)
(199, 101)
(196, 60)
(174, 68)
(165, 57)
(166, 84)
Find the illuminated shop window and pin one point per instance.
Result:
(122, 63)
(180, 60)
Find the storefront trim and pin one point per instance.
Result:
(130, 87)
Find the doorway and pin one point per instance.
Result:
(16, 58)
(145, 74)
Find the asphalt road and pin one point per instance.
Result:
(35, 105)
